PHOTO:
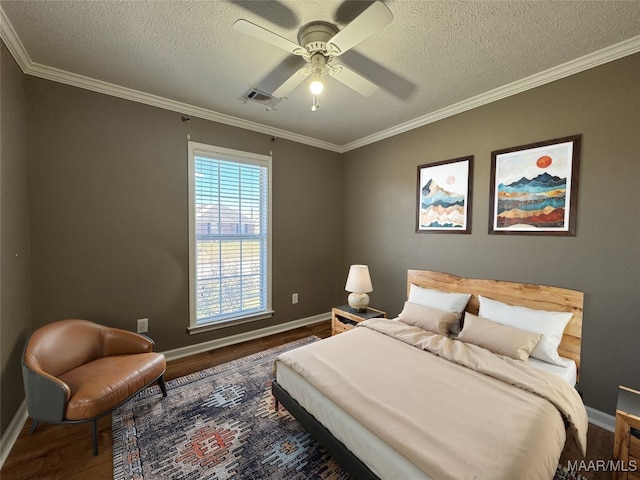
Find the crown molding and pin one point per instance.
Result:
(13, 43)
(609, 54)
(29, 67)
(61, 76)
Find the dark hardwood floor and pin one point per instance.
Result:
(65, 451)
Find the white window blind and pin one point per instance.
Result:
(229, 236)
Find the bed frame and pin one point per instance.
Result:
(539, 297)
(322, 435)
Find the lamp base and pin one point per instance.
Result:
(359, 301)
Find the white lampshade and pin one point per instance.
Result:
(359, 283)
(359, 280)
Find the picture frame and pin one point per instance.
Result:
(534, 188)
(443, 198)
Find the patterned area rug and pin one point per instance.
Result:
(217, 424)
(220, 424)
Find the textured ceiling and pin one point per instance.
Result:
(434, 59)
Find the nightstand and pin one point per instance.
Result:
(344, 318)
(626, 447)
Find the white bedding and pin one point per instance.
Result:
(569, 373)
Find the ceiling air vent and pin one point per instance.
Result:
(262, 98)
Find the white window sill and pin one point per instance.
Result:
(227, 323)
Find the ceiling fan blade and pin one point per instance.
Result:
(291, 83)
(353, 80)
(275, 12)
(376, 16)
(267, 36)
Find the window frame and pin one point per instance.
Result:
(226, 154)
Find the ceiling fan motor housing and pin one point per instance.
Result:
(314, 36)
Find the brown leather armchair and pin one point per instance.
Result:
(77, 371)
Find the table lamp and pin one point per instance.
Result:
(359, 283)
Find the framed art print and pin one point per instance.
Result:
(534, 188)
(444, 196)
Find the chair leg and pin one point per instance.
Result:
(162, 385)
(34, 425)
(95, 438)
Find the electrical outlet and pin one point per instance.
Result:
(294, 298)
(143, 325)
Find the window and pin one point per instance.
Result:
(229, 236)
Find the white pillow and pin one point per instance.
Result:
(550, 324)
(447, 301)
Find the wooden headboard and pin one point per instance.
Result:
(539, 297)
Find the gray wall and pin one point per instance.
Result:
(100, 227)
(108, 191)
(603, 260)
(108, 238)
(15, 307)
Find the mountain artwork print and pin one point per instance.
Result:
(537, 203)
(532, 188)
(443, 197)
(440, 207)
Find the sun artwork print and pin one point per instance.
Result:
(442, 192)
(532, 188)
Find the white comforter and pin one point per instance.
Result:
(455, 410)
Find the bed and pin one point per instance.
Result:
(400, 399)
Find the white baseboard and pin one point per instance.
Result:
(601, 419)
(243, 337)
(10, 436)
(13, 430)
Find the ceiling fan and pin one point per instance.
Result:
(319, 43)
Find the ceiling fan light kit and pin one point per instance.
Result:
(318, 68)
(318, 43)
(316, 85)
